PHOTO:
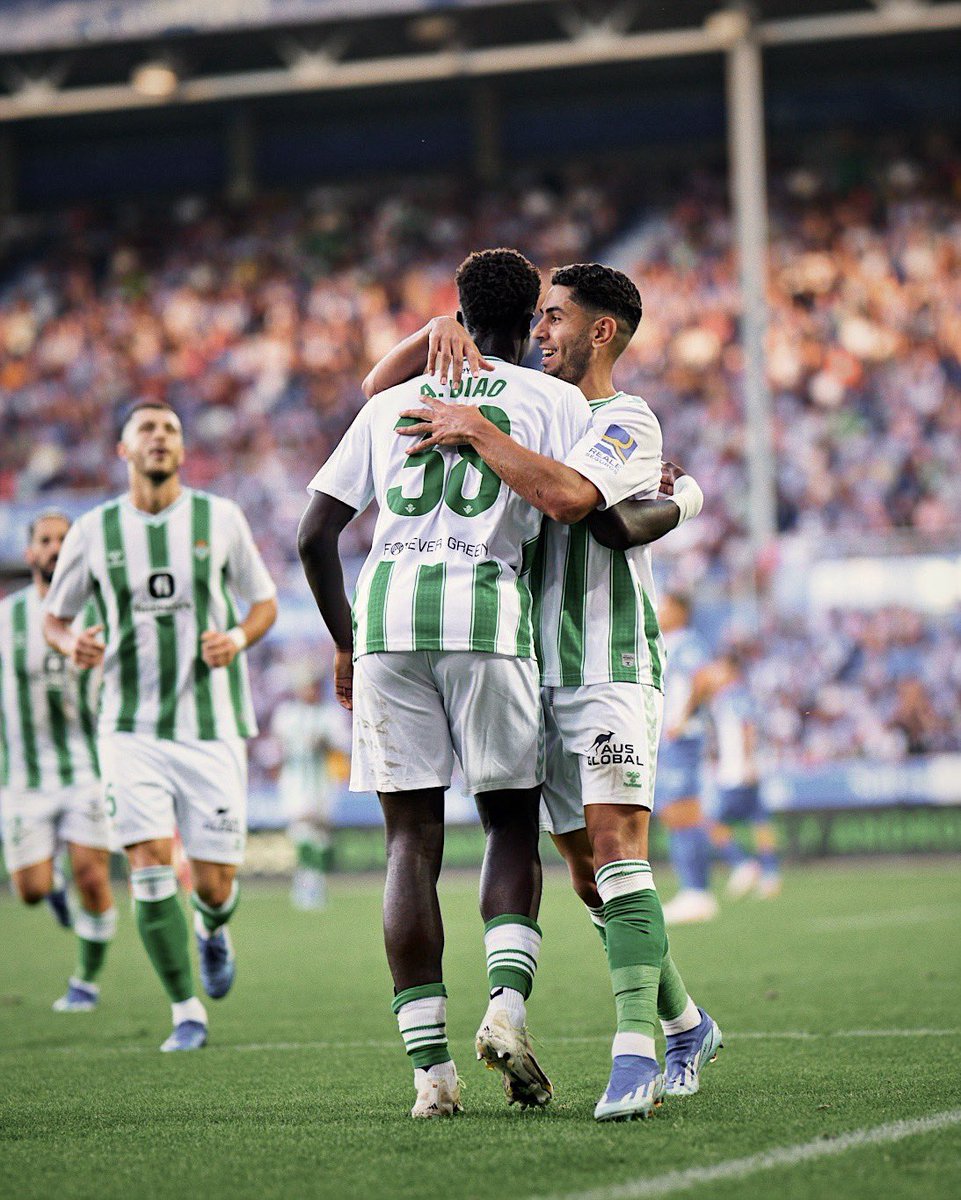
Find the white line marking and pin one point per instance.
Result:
(768, 1160)
(792, 1035)
(878, 920)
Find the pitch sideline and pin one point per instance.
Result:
(767, 1160)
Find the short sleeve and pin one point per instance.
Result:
(348, 475)
(249, 577)
(621, 453)
(572, 422)
(72, 584)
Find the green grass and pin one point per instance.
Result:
(304, 1090)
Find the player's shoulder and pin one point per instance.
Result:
(9, 601)
(221, 508)
(627, 405)
(546, 385)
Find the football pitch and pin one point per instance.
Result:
(840, 1076)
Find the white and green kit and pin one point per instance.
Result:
(598, 640)
(158, 581)
(447, 577)
(49, 771)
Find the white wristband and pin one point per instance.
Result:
(239, 638)
(688, 497)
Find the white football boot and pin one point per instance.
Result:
(743, 879)
(503, 1046)
(690, 906)
(438, 1091)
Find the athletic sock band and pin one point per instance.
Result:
(513, 944)
(422, 1020)
(153, 883)
(95, 927)
(214, 917)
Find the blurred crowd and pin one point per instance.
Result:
(258, 324)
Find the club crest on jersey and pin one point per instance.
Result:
(606, 752)
(201, 550)
(615, 447)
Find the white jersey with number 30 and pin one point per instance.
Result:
(452, 544)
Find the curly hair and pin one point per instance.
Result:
(602, 290)
(498, 290)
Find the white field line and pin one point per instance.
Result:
(768, 1160)
(792, 1035)
(880, 920)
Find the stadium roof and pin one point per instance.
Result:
(74, 56)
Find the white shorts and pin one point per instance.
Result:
(601, 749)
(36, 824)
(415, 710)
(150, 784)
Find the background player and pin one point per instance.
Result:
(165, 564)
(679, 769)
(49, 770)
(444, 666)
(309, 729)
(722, 690)
(602, 659)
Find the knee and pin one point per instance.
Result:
(30, 893)
(583, 882)
(91, 881)
(214, 892)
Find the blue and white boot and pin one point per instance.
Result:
(79, 997)
(687, 1053)
(218, 965)
(633, 1091)
(188, 1035)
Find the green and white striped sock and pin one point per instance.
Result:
(513, 944)
(422, 1019)
(635, 951)
(209, 918)
(163, 929)
(94, 932)
(597, 920)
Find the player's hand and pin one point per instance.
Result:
(441, 424)
(217, 649)
(448, 344)
(344, 678)
(87, 648)
(670, 473)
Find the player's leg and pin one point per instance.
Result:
(311, 841)
(29, 845)
(765, 845)
(209, 782)
(734, 806)
(690, 850)
(414, 940)
(575, 849)
(95, 923)
(402, 751)
(137, 787)
(493, 709)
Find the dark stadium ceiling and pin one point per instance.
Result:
(59, 58)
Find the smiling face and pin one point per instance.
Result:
(153, 444)
(565, 334)
(44, 548)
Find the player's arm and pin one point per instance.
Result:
(250, 580)
(634, 522)
(324, 519)
(70, 589)
(705, 684)
(219, 649)
(559, 491)
(442, 346)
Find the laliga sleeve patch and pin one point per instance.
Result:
(615, 447)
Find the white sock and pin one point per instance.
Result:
(510, 1000)
(200, 928)
(597, 915)
(633, 1043)
(188, 1010)
(690, 1018)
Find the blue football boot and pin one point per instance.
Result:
(634, 1089)
(79, 997)
(188, 1035)
(218, 966)
(687, 1053)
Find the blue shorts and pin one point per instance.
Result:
(678, 770)
(742, 803)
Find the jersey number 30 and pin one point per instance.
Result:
(433, 488)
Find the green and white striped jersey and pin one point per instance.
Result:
(452, 543)
(594, 608)
(159, 581)
(47, 706)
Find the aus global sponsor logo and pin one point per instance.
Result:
(606, 751)
(615, 447)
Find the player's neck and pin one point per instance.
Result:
(598, 382)
(41, 585)
(152, 497)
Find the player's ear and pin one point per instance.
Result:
(605, 331)
(121, 450)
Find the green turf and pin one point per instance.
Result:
(304, 1090)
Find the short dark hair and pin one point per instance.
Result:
(603, 290)
(131, 410)
(498, 290)
(48, 514)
